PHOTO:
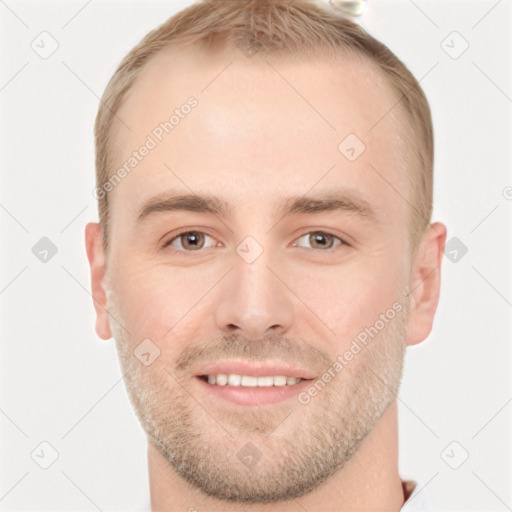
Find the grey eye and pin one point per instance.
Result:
(320, 240)
(188, 241)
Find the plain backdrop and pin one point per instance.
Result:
(61, 385)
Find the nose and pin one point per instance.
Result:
(253, 300)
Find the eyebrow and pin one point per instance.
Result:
(326, 202)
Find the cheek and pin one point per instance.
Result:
(344, 298)
(347, 299)
(153, 299)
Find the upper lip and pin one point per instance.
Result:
(254, 369)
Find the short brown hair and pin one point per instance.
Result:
(298, 27)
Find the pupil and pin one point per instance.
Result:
(319, 237)
(194, 237)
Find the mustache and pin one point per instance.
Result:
(272, 347)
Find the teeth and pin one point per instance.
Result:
(264, 382)
(251, 382)
(247, 381)
(220, 379)
(279, 381)
(234, 380)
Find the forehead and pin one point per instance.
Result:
(262, 125)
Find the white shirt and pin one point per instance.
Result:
(417, 501)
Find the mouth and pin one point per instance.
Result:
(249, 381)
(244, 383)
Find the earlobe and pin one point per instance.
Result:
(97, 263)
(425, 283)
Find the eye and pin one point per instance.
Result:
(189, 241)
(194, 241)
(321, 241)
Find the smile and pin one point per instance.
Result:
(233, 379)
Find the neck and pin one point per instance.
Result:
(369, 481)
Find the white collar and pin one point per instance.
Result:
(417, 501)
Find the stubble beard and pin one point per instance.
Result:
(295, 448)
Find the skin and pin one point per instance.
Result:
(251, 141)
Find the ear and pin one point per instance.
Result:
(425, 283)
(97, 262)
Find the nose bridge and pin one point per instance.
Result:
(253, 299)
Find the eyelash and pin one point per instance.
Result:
(184, 251)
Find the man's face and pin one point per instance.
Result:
(259, 291)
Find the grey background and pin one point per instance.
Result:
(62, 385)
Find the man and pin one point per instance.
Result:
(265, 254)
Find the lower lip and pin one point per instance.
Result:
(241, 395)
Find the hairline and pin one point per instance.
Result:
(414, 151)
